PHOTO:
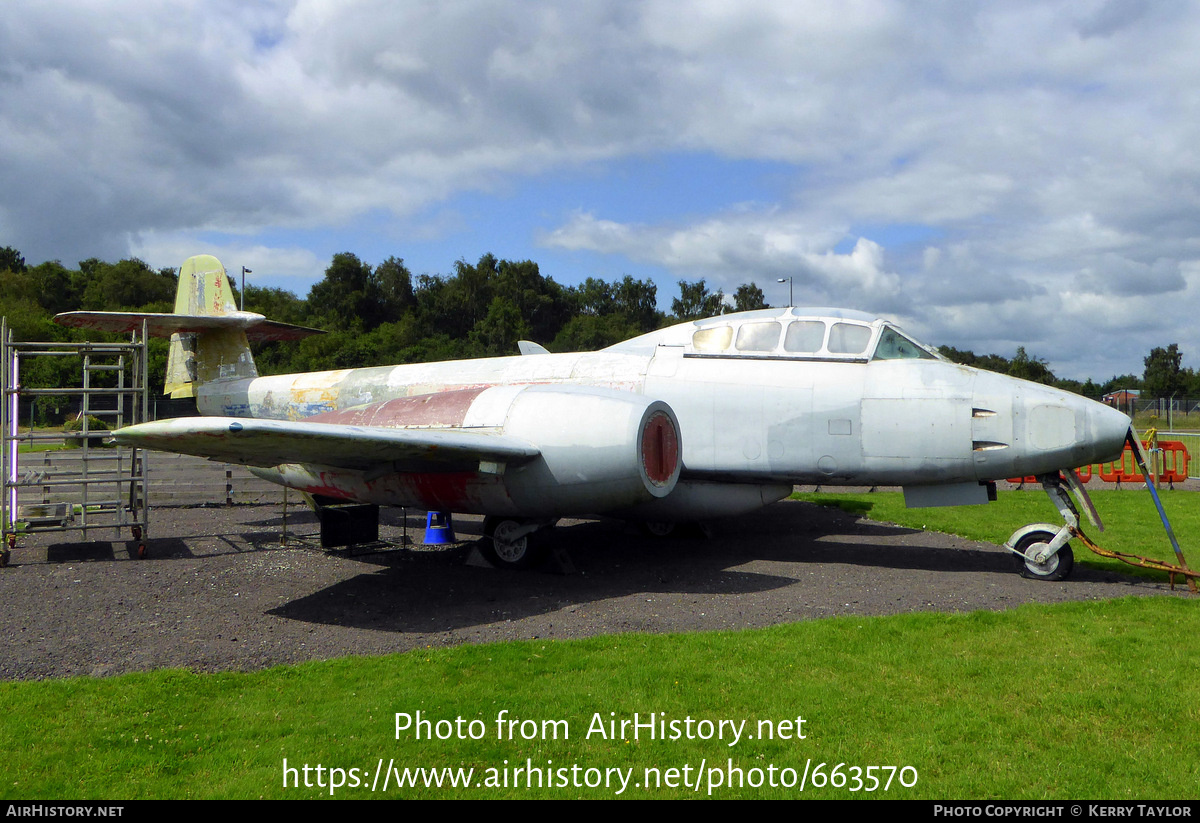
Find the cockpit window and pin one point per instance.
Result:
(716, 338)
(895, 346)
(758, 337)
(849, 338)
(804, 337)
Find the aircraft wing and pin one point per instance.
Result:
(268, 443)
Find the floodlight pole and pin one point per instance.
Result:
(791, 300)
(245, 271)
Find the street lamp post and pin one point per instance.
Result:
(245, 271)
(791, 301)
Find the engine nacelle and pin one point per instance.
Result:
(600, 450)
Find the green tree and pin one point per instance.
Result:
(696, 301)
(499, 331)
(1120, 381)
(276, 304)
(395, 284)
(749, 297)
(349, 297)
(11, 260)
(1030, 368)
(472, 288)
(543, 304)
(594, 297)
(1164, 375)
(637, 301)
(589, 332)
(127, 284)
(55, 287)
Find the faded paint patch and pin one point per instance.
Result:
(1051, 427)
(444, 491)
(443, 409)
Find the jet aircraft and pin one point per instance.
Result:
(703, 419)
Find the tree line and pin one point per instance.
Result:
(380, 315)
(373, 315)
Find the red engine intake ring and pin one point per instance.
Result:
(660, 448)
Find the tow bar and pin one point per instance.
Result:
(1041, 555)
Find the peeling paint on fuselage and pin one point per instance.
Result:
(299, 396)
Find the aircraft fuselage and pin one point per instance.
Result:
(770, 418)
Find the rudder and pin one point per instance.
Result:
(204, 291)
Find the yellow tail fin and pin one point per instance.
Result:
(220, 353)
(209, 336)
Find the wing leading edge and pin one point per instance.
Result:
(268, 443)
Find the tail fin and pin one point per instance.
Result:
(200, 357)
(209, 336)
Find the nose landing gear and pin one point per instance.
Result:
(1042, 550)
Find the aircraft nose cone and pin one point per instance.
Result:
(1108, 429)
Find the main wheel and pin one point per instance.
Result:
(1057, 567)
(659, 528)
(505, 549)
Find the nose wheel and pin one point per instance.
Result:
(1041, 550)
(1035, 562)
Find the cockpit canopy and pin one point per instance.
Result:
(805, 334)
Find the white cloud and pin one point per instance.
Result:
(279, 264)
(1050, 148)
(741, 247)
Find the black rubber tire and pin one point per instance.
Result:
(659, 528)
(1056, 568)
(525, 552)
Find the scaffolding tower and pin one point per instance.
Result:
(100, 484)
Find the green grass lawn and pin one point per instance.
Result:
(1084, 700)
(44, 446)
(1179, 422)
(1130, 519)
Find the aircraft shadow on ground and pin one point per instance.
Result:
(422, 591)
(80, 552)
(160, 548)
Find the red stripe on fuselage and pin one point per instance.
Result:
(443, 491)
(447, 408)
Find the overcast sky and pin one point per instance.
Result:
(989, 174)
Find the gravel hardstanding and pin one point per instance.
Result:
(219, 592)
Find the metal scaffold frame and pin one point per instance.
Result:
(99, 485)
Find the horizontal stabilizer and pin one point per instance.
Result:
(268, 443)
(257, 327)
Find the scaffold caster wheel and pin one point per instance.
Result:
(12, 541)
(137, 532)
(141, 551)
